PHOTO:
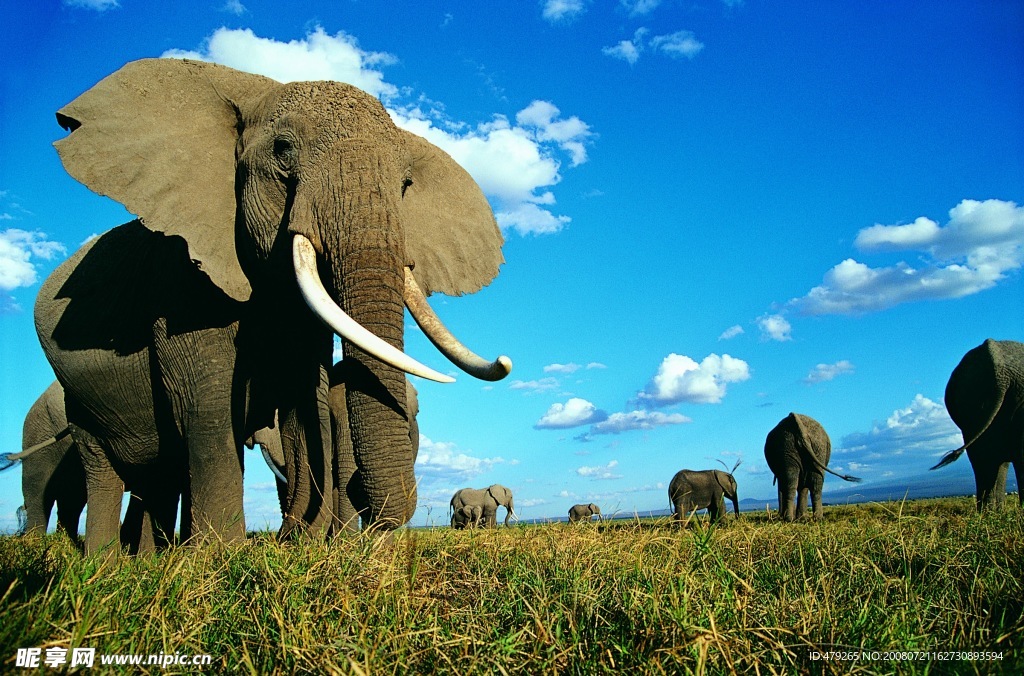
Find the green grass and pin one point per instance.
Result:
(624, 597)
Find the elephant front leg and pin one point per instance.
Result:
(215, 486)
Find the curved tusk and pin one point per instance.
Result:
(442, 338)
(316, 296)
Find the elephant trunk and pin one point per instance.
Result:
(735, 504)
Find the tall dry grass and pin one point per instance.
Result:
(624, 597)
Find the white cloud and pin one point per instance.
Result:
(541, 385)
(318, 56)
(639, 7)
(235, 7)
(98, 5)
(572, 413)
(514, 165)
(627, 50)
(562, 368)
(731, 332)
(441, 459)
(680, 379)
(681, 44)
(571, 134)
(824, 372)
(18, 248)
(981, 242)
(556, 11)
(600, 472)
(637, 420)
(921, 432)
(595, 365)
(774, 327)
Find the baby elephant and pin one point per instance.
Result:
(467, 516)
(584, 513)
(691, 490)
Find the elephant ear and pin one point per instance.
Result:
(159, 137)
(450, 231)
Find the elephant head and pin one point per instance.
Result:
(467, 516)
(728, 484)
(503, 497)
(302, 200)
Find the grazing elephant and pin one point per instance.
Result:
(51, 467)
(584, 513)
(488, 500)
(467, 516)
(985, 398)
(798, 450)
(691, 490)
(270, 216)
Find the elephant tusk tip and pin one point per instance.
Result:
(504, 364)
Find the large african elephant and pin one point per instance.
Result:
(798, 450)
(488, 500)
(270, 216)
(985, 398)
(691, 490)
(584, 513)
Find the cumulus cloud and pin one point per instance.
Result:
(731, 332)
(825, 372)
(681, 379)
(627, 50)
(442, 459)
(19, 252)
(573, 413)
(681, 44)
(562, 368)
(617, 423)
(639, 7)
(98, 5)
(558, 11)
(920, 432)
(515, 164)
(774, 327)
(601, 472)
(531, 386)
(318, 56)
(974, 251)
(235, 7)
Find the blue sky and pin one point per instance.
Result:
(716, 212)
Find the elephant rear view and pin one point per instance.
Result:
(798, 450)
(985, 398)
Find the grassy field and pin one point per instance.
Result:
(627, 597)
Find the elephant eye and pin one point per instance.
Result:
(283, 148)
(405, 184)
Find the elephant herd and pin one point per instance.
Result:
(271, 218)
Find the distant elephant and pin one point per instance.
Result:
(488, 499)
(798, 450)
(467, 516)
(584, 513)
(985, 398)
(270, 216)
(691, 490)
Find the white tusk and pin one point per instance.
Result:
(316, 296)
(442, 338)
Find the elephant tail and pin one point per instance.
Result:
(8, 460)
(844, 477)
(951, 457)
(805, 441)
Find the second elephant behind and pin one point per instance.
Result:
(691, 490)
(488, 500)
